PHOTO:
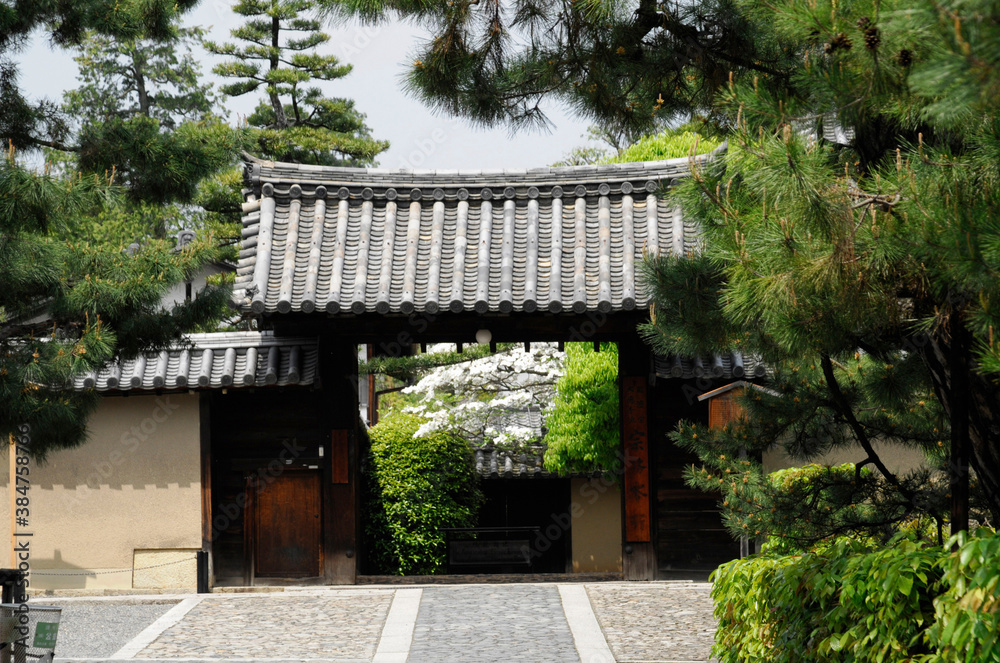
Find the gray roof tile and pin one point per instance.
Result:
(216, 360)
(344, 240)
(729, 366)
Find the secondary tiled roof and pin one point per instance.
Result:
(729, 366)
(492, 463)
(238, 359)
(350, 240)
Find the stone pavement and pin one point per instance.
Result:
(480, 624)
(661, 622)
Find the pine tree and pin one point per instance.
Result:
(295, 122)
(851, 241)
(157, 78)
(29, 125)
(628, 67)
(70, 305)
(143, 112)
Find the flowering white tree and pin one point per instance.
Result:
(485, 400)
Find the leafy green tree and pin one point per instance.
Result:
(295, 122)
(143, 112)
(670, 144)
(157, 78)
(851, 241)
(414, 485)
(127, 120)
(583, 433)
(29, 125)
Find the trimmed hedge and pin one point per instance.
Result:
(413, 486)
(909, 601)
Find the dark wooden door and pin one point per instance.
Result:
(289, 527)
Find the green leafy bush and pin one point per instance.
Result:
(413, 487)
(851, 602)
(967, 613)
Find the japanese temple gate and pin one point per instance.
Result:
(391, 258)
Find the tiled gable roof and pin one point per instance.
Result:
(214, 360)
(349, 240)
(730, 366)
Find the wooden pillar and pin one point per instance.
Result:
(639, 549)
(205, 434)
(339, 381)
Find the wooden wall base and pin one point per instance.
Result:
(640, 563)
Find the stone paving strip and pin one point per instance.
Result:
(665, 622)
(397, 634)
(344, 625)
(492, 624)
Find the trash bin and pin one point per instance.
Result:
(28, 632)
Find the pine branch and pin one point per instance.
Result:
(846, 411)
(56, 145)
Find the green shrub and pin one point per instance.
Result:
(413, 486)
(967, 613)
(670, 144)
(847, 602)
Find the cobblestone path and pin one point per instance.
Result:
(655, 621)
(610, 622)
(339, 625)
(487, 623)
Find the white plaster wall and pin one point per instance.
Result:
(897, 458)
(134, 485)
(177, 293)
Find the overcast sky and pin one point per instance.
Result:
(418, 138)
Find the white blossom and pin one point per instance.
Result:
(484, 399)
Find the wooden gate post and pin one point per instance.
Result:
(339, 375)
(639, 549)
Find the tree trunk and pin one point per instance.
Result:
(958, 466)
(140, 82)
(984, 417)
(280, 120)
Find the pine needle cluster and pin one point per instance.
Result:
(625, 66)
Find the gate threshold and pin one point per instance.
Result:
(489, 578)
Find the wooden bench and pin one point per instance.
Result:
(491, 548)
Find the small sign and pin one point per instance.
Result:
(45, 635)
